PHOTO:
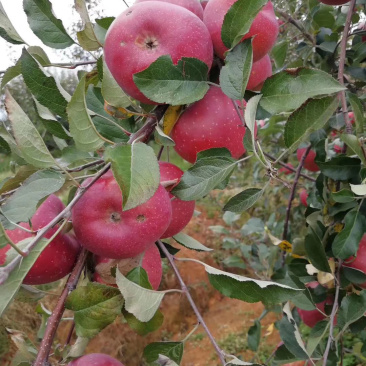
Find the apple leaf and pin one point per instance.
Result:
(244, 200)
(310, 117)
(359, 189)
(11, 286)
(353, 307)
(7, 30)
(346, 243)
(289, 89)
(86, 37)
(358, 111)
(21, 206)
(112, 92)
(101, 27)
(45, 25)
(27, 138)
(14, 182)
(82, 129)
(136, 170)
(235, 74)
(238, 20)
(4, 239)
(43, 86)
(355, 145)
(341, 168)
(236, 361)
(173, 350)
(279, 53)
(190, 243)
(164, 82)
(95, 306)
(254, 335)
(318, 333)
(343, 196)
(161, 138)
(213, 166)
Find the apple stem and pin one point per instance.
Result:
(185, 290)
(292, 196)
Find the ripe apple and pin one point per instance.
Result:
(182, 211)
(334, 2)
(146, 31)
(95, 359)
(212, 122)
(359, 261)
(337, 149)
(304, 197)
(103, 228)
(192, 5)
(285, 170)
(309, 163)
(351, 117)
(363, 28)
(150, 261)
(58, 258)
(261, 70)
(264, 28)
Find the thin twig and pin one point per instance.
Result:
(238, 112)
(290, 168)
(170, 258)
(55, 318)
(85, 166)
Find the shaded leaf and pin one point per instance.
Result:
(173, 350)
(352, 308)
(190, 243)
(340, 168)
(355, 145)
(7, 30)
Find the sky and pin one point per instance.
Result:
(62, 9)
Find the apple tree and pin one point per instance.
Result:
(277, 86)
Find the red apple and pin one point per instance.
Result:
(192, 5)
(351, 117)
(363, 28)
(297, 363)
(309, 163)
(58, 258)
(95, 359)
(285, 170)
(261, 70)
(264, 28)
(182, 211)
(146, 31)
(304, 197)
(151, 263)
(337, 149)
(359, 261)
(334, 2)
(103, 228)
(209, 123)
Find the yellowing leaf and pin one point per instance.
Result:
(120, 113)
(286, 246)
(338, 227)
(171, 117)
(269, 330)
(283, 244)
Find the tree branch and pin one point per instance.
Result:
(170, 258)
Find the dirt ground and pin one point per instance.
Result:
(228, 319)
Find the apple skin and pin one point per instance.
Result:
(265, 27)
(309, 163)
(104, 229)
(337, 149)
(95, 359)
(182, 211)
(359, 261)
(286, 171)
(193, 6)
(151, 263)
(58, 258)
(304, 197)
(334, 2)
(204, 4)
(261, 70)
(351, 117)
(212, 122)
(138, 37)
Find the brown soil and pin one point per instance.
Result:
(226, 318)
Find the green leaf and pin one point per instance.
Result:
(358, 111)
(82, 128)
(4, 146)
(343, 196)
(136, 170)
(14, 182)
(289, 89)
(164, 82)
(212, 167)
(190, 243)
(310, 117)
(27, 138)
(236, 361)
(316, 252)
(11, 286)
(244, 200)
(139, 276)
(161, 138)
(144, 328)
(238, 20)
(87, 38)
(352, 308)
(340, 168)
(318, 333)
(112, 92)
(346, 243)
(15, 151)
(355, 145)
(279, 53)
(101, 27)
(21, 206)
(39, 54)
(7, 30)
(43, 86)
(173, 350)
(235, 74)
(4, 239)
(95, 306)
(11, 73)
(254, 335)
(45, 25)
